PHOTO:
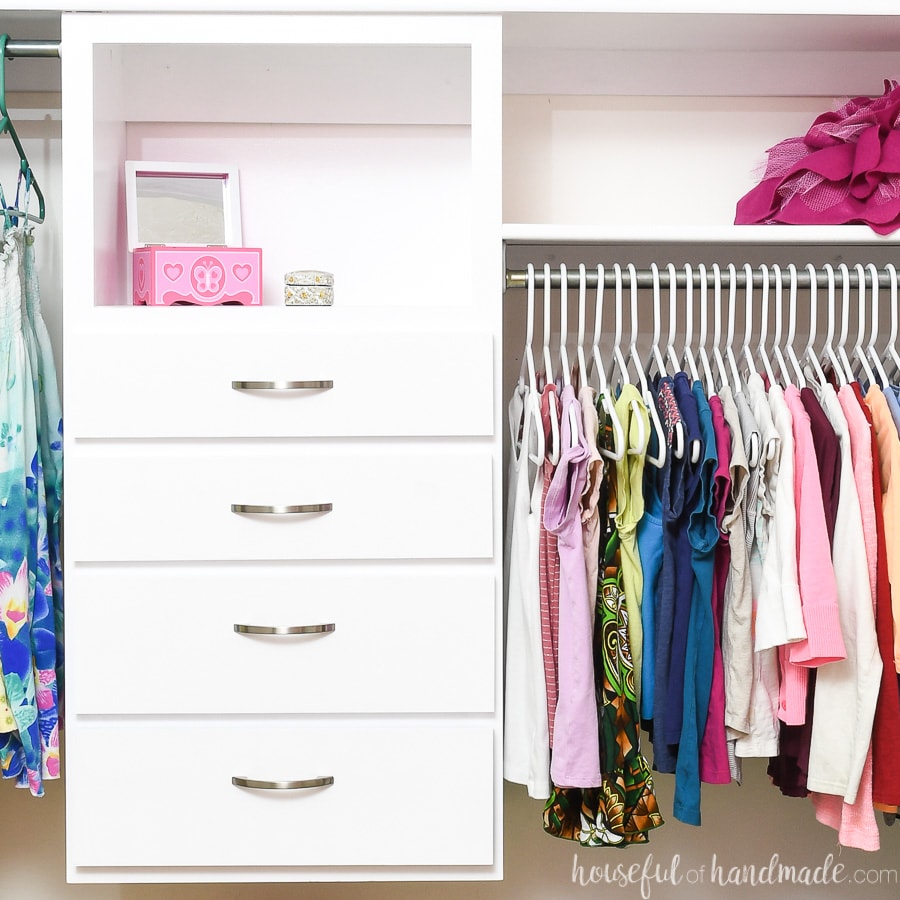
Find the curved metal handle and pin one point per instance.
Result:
(270, 510)
(326, 385)
(265, 785)
(285, 629)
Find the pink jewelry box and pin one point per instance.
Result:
(197, 276)
(184, 233)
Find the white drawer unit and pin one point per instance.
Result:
(287, 640)
(214, 502)
(401, 795)
(282, 383)
(282, 532)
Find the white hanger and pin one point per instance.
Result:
(717, 326)
(701, 339)
(517, 424)
(618, 450)
(673, 304)
(776, 338)
(809, 354)
(678, 437)
(532, 402)
(745, 351)
(660, 459)
(528, 354)
(564, 324)
(871, 352)
(640, 444)
(753, 449)
(554, 448)
(632, 344)
(858, 352)
(792, 328)
(829, 350)
(845, 324)
(548, 361)
(891, 348)
(654, 354)
(764, 326)
(617, 360)
(563, 350)
(729, 339)
(582, 303)
(688, 353)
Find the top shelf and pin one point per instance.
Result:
(617, 48)
(711, 8)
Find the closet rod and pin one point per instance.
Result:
(517, 278)
(40, 49)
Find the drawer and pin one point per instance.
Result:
(174, 502)
(160, 794)
(180, 384)
(402, 642)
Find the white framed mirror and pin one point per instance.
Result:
(182, 204)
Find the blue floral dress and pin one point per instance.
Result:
(50, 439)
(28, 614)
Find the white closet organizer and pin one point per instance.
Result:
(370, 146)
(284, 606)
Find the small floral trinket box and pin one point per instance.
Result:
(308, 287)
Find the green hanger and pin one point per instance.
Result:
(6, 126)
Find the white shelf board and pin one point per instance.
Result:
(537, 233)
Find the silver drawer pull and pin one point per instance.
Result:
(282, 385)
(270, 510)
(261, 785)
(285, 629)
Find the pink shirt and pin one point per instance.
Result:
(818, 586)
(815, 574)
(576, 741)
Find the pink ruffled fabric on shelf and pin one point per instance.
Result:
(844, 170)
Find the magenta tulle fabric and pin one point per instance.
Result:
(844, 170)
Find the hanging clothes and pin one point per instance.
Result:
(526, 745)
(623, 809)
(28, 618)
(728, 567)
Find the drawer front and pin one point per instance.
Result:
(170, 502)
(160, 794)
(401, 642)
(180, 385)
